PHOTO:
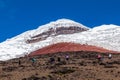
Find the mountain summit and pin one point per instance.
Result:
(63, 31)
(59, 27)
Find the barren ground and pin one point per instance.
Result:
(82, 65)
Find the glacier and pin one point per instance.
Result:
(106, 36)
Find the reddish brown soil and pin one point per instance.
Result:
(63, 47)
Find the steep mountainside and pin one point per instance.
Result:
(60, 31)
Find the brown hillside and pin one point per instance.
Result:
(81, 65)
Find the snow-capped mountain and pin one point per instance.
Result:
(62, 30)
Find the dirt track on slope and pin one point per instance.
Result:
(82, 65)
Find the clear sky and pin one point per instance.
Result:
(18, 16)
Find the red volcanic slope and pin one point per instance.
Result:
(63, 47)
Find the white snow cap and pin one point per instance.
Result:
(106, 36)
(105, 27)
(58, 23)
(68, 22)
(64, 23)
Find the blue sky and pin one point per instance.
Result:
(18, 16)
